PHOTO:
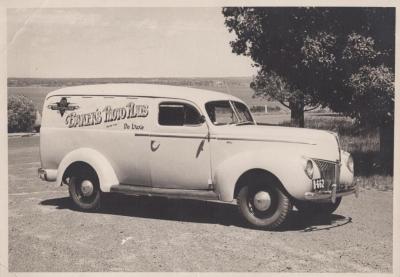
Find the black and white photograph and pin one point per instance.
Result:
(200, 138)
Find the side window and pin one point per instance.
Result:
(171, 114)
(192, 116)
(221, 113)
(178, 114)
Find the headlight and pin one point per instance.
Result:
(309, 169)
(350, 164)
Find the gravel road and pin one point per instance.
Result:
(156, 234)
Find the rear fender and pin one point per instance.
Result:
(96, 160)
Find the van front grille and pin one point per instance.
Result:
(329, 172)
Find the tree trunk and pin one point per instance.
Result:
(386, 142)
(297, 113)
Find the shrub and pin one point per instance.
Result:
(21, 113)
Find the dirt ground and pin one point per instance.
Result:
(155, 234)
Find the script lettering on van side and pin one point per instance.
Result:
(106, 115)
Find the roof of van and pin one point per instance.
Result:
(145, 90)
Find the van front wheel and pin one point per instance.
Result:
(84, 190)
(264, 206)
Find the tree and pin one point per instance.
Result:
(373, 102)
(273, 38)
(313, 51)
(360, 78)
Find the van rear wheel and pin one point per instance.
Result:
(264, 206)
(84, 189)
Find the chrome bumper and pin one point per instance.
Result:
(332, 194)
(42, 174)
(47, 174)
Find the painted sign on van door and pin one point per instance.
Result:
(107, 114)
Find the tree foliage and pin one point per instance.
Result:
(336, 57)
(21, 113)
(373, 95)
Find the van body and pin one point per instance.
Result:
(143, 139)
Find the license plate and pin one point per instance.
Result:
(318, 184)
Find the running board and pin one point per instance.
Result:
(172, 193)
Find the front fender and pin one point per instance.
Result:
(346, 176)
(95, 159)
(289, 171)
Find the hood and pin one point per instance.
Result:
(277, 133)
(305, 142)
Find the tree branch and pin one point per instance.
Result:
(311, 109)
(284, 104)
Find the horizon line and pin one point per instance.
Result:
(182, 77)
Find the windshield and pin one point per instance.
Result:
(228, 112)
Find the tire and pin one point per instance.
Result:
(84, 189)
(262, 216)
(308, 207)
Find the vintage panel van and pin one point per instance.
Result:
(143, 139)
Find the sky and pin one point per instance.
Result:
(121, 42)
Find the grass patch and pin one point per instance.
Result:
(339, 124)
(368, 142)
(352, 137)
(379, 182)
(342, 125)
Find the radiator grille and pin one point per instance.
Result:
(329, 172)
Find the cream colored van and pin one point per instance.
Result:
(187, 143)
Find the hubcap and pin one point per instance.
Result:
(87, 188)
(262, 200)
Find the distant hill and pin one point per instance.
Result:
(238, 86)
(61, 82)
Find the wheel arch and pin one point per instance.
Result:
(92, 158)
(75, 166)
(258, 174)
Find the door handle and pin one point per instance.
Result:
(154, 145)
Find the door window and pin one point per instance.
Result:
(228, 112)
(178, 114)
(221, 113)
